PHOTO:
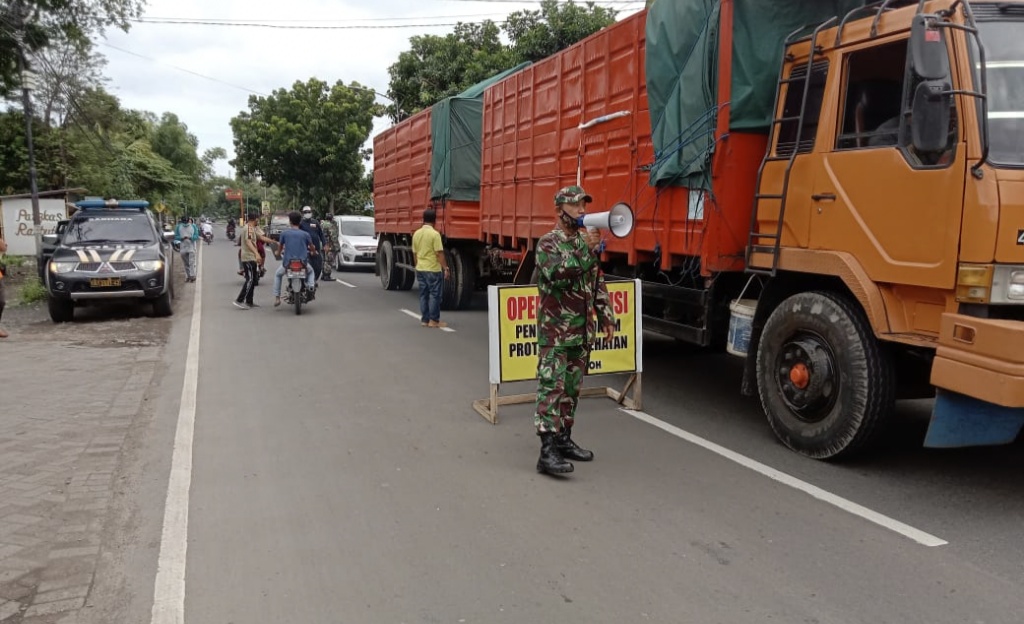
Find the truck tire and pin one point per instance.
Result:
(825, 382)
(60, 311)
(408, 277)
(461, 282)
(390, 274)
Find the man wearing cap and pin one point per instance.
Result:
(572, 291)
(312, 227)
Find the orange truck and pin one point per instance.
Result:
(833, 191)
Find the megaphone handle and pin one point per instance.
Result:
(600, 247)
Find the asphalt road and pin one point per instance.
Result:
(339, 474)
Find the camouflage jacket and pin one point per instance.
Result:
(572, 291)
(330, 229)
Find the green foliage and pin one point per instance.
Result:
(437, 67)
(40, 22)
(536, 35)
(16, 261)
(32, 290)
(307, 140)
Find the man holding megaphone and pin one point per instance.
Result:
(572, 289)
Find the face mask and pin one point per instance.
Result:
(569, 222)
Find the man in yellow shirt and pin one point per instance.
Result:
(431, 269)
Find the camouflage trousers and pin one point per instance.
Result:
(559, 376)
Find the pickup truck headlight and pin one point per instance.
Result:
(62, 267)
(149, 265)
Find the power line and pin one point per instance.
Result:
(187, 71)
(295, 27)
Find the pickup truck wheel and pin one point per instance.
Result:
(390, 274)
(825, 382)
(162, 304)
(61, 311)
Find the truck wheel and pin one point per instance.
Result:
(825, 383)
(408, 278)
(390, 275)
(458, 290)
(61, 311)
(162, 304)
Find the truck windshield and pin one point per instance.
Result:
(1004, 72)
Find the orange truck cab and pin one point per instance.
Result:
(895, 172)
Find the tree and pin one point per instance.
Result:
(64, 69)
(437, 67)
(31, 25)
(308, 139)
(535, 35)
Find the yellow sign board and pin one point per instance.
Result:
(513, 333)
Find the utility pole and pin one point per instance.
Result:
(26, 102)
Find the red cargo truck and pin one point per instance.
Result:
(838, 204)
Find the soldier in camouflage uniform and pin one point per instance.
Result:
(331, 246)
(572, 291)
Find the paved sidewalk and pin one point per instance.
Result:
(69, 395)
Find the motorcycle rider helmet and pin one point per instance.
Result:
(184, 219)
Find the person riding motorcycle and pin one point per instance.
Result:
(230, 228)
(312, 227)
(207, 232)
(295, 244)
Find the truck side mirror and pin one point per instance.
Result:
(929, 124)
(928, 55)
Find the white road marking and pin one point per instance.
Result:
(846, 505)
(416, 315)
(169, 590)
(344, 283)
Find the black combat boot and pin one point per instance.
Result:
(569, 449)
(551, 461)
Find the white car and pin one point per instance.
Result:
(358, 242)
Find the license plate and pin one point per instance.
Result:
(105, 282)
(292, 274)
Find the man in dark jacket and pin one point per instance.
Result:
(312, 226)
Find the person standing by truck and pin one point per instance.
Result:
(431, 269)
(572, 289)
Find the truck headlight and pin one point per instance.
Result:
(62, 267)
(1015, 286)
(149, 265)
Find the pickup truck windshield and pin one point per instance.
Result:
(1004, 63)
(106, 228)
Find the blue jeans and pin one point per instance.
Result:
(279, 276)
(430, 295)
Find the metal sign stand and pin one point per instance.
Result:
(488, 408)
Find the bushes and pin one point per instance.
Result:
(32, 290)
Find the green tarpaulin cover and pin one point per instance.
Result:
(682, 74)
(456, 133)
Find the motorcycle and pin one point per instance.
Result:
(297, 293)
(231, 232)
(208, 237)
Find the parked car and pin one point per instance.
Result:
(358, 242)
(278, 224)
(50, 243)
(111, 250)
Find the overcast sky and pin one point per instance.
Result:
(205, 73)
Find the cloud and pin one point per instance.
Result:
(205, 74)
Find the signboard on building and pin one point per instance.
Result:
(18, 230)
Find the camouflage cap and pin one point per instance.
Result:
(571, 195)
